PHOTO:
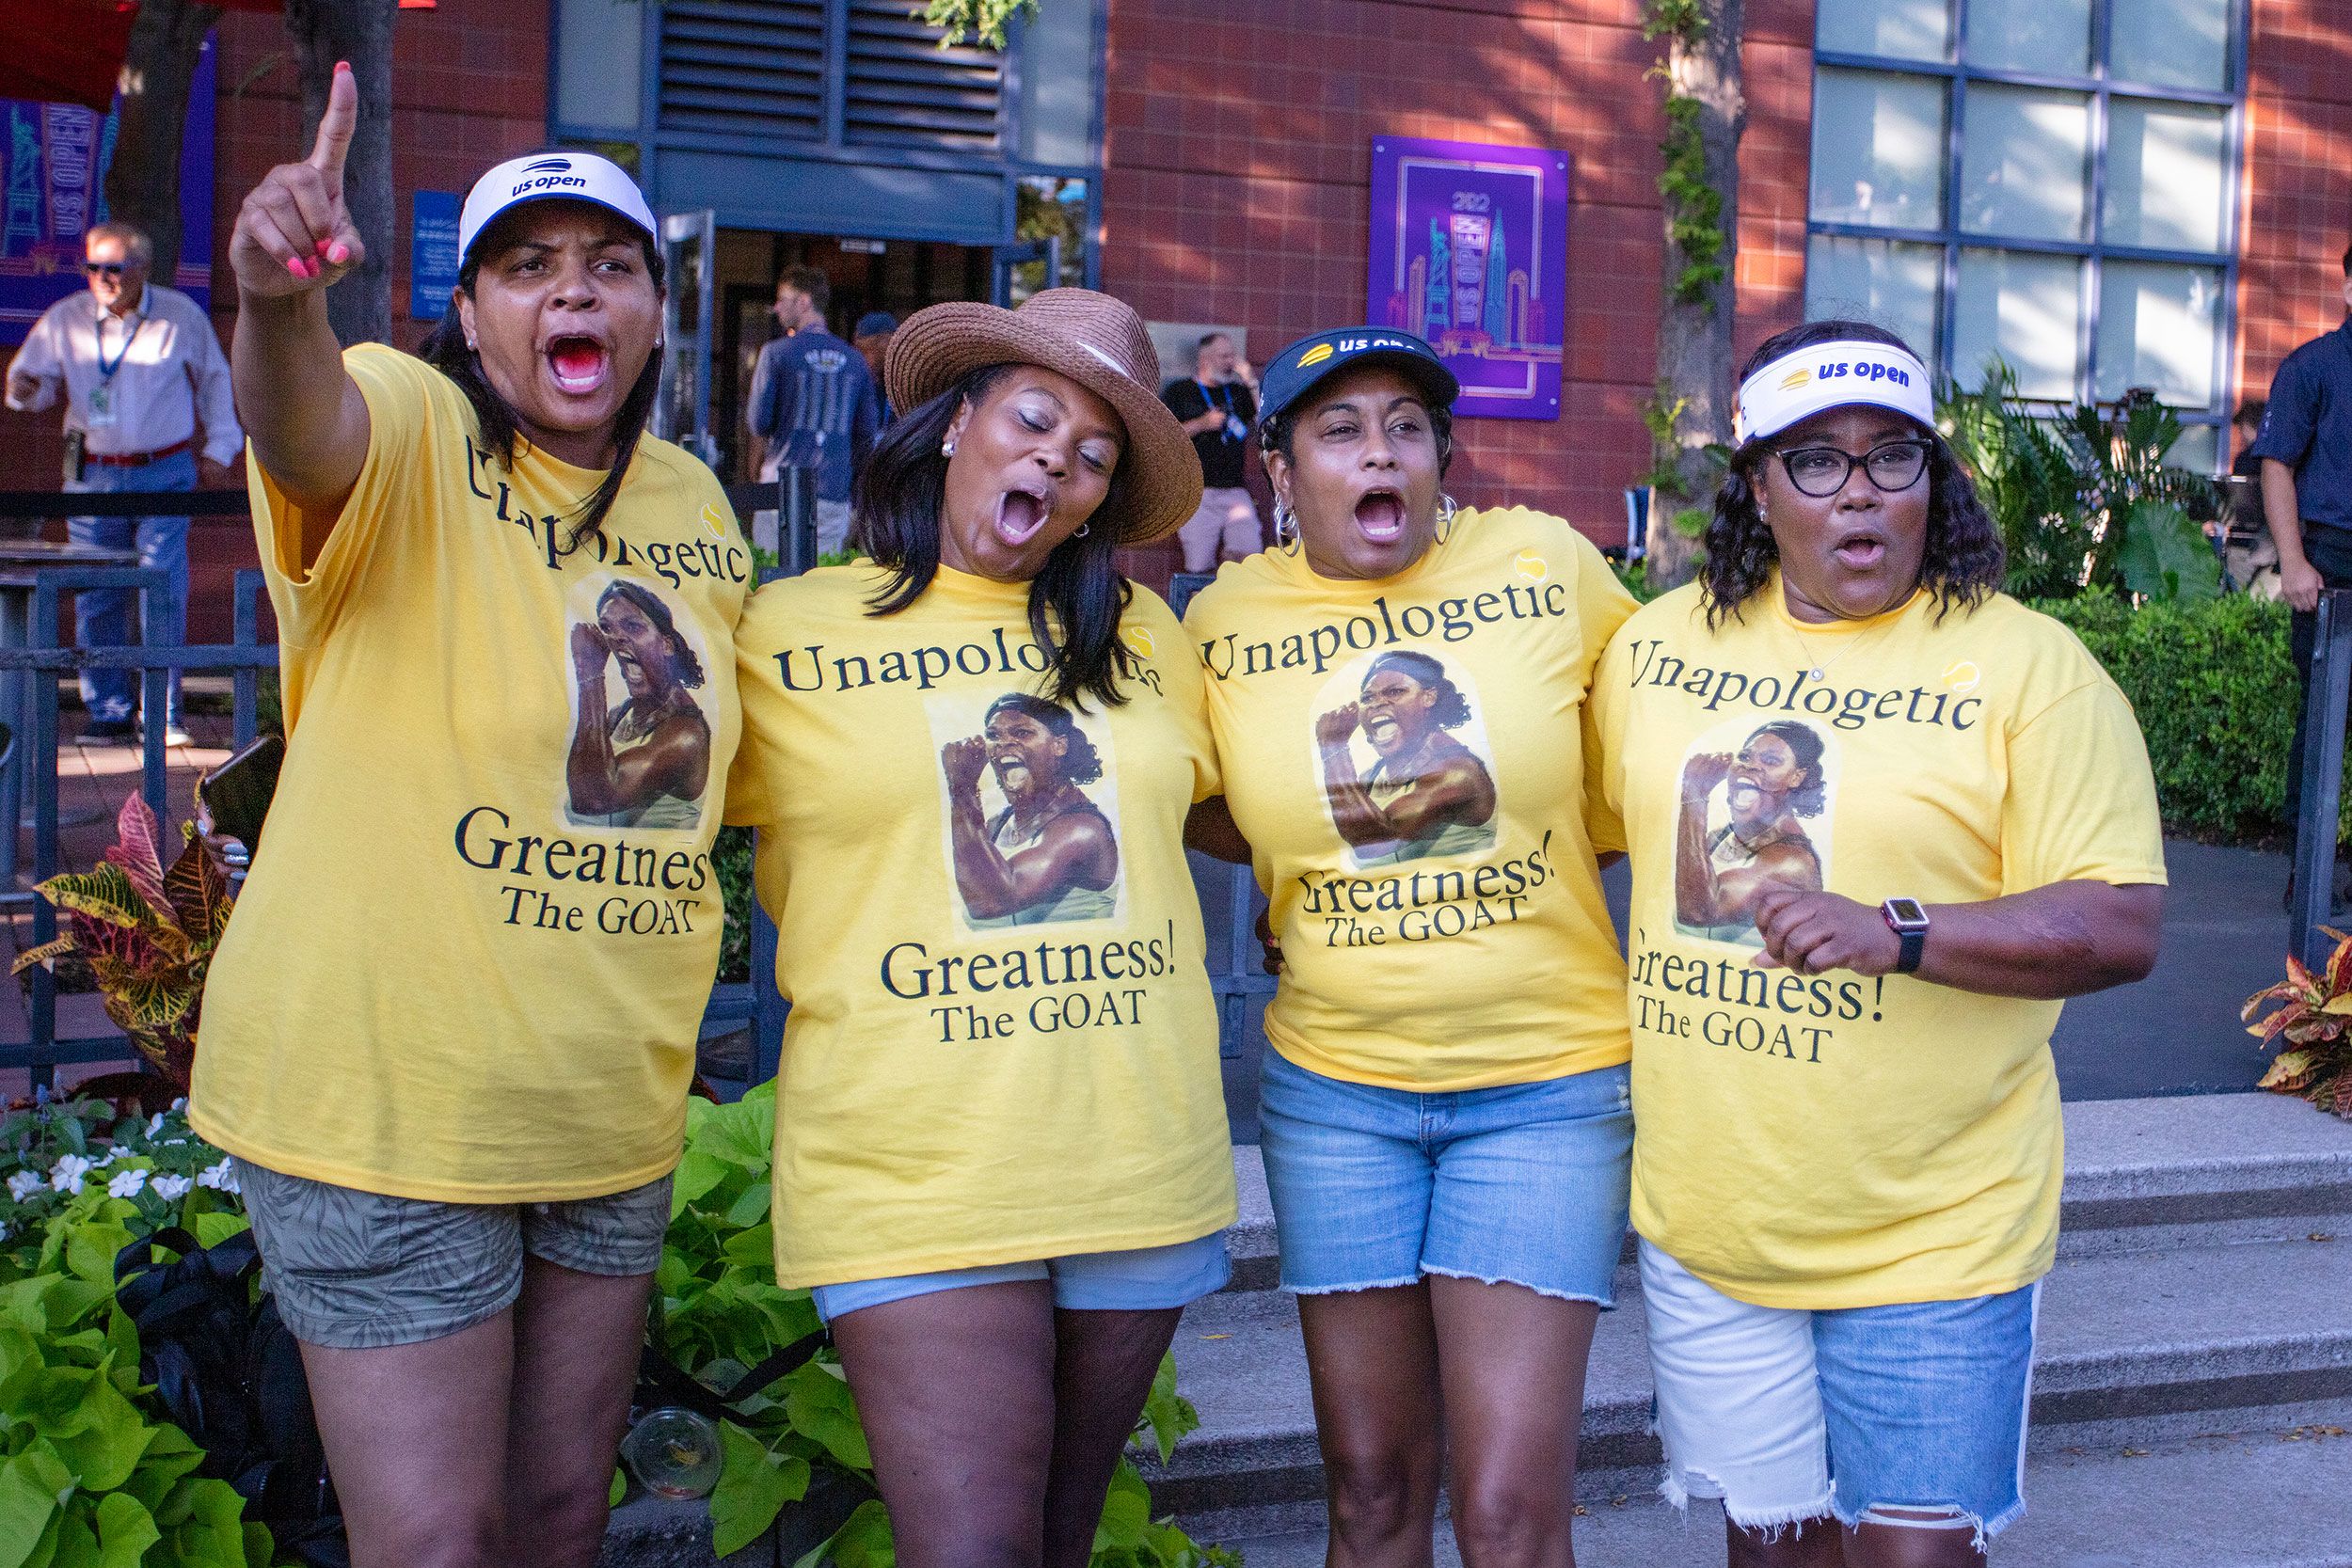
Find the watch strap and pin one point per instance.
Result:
(1915, 946)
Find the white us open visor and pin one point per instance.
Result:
(1798, 386)
(548, 176)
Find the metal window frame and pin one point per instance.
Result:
(651, 141)
(2100, 90)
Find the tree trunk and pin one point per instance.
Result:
(1694, 362)
(143, 175)
(359, 31)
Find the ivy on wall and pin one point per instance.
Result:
(1694, 208)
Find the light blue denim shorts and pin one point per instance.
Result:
(1136, 1279)
(1788, 1415)
(1524, 1184)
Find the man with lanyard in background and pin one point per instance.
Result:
(141, 370)
(1217, 405)
(812, 403)
(2305, 446)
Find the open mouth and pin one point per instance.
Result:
(580, 364)
(1860, 552)
(1012, 769)
(1380, 514)
(1380, 729)
(1018, 515)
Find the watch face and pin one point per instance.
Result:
(1906, 912)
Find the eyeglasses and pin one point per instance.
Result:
(112, 269)
(1820, 472)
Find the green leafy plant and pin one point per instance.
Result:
(2309, 1017)
(147, 932)
(982, 20)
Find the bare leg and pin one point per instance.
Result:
(1372, 1356)
(1103, 1369)
(1811, 1543)
(956, 1389)
(1512, 1365)
(576, 1343)
(1931, 1543)
(406, 1429)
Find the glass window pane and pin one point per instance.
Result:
(2199, 450)
(2164, 175)
(1882, 282)
(2051, 37)
(1878, 149)
(2156, 327)
(1905, 29)
(2173, 43)
(2025, 309)
(2022, 163)
(1060, 62)
(598, 45)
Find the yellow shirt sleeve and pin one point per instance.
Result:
(1150, 626)
(757, 756)
(1603, 605)
(314, 558)
(2082, 801)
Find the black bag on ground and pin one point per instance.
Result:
(231, 1376)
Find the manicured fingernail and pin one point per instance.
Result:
(338, 253)
(319, 247)
(294, 264)
(311, 269)
(342, 65)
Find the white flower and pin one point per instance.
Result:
(106, 1159)
(222, 1177)
(171, 1189)
(173, 1143)
(127, 1183)
(25, 1183)
(66, 1175)
(154, 1124)
(181, 1103)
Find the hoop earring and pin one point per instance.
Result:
(1084, 528)
(1285, 523)
(1446, 509)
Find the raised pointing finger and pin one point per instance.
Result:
(335, 127)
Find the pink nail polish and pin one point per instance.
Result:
(294, 264)
(319, 247)
(339, 254)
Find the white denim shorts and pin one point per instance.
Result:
(1912, 1413)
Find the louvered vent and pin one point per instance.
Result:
(904, 89)
(746, 66)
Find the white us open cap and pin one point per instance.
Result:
(550, 176)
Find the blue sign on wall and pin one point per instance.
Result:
(432, 254)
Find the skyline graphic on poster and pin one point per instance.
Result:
(1469, 251)
(53, 169)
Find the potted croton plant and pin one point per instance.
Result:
(147, 931)
(2310, 1019)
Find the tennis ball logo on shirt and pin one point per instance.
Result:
(1138, 640)
(1530, 567)
(713, 524)
(1963, 675)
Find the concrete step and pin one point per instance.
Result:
(2266, 1499)
(2142, 1174)
(2135, 1347)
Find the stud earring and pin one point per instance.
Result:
(947, 447)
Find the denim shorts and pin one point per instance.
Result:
(1524, 1184)
(359, 1271)
(1134, 1279)
(1788, 1415)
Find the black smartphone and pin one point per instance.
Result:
(237, 793)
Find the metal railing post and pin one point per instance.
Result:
(2324, 701)
(796, 518)
(246, 705)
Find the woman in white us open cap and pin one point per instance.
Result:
(449, 1034)
(1846, 1151)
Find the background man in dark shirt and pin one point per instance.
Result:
(814, 403)
(2306, 448)
(1219, 407)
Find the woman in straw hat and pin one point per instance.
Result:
(1001, 1157)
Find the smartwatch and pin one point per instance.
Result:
(1908, 919)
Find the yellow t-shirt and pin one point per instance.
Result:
(1833, 1140)
(1406, 759)
(1002, 1045)
(472, 956)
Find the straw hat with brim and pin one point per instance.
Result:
(1095, 340)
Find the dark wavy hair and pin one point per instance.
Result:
(1451, 710)
(1963, 561)
(445, 350)
(1805, 743)
(1076, 601)
(1081, 763)
(683, 663)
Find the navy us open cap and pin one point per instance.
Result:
(1315, 358)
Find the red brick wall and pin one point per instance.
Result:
(1240, 155)
(469, 88)
(2296, 216)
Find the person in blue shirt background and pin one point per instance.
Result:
(2305, 446)
(872, 335)
(812, 403)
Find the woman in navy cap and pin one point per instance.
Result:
(1396, 691)
(448, 1034)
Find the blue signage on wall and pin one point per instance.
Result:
(432, 254)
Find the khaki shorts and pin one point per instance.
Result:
(359, 1271)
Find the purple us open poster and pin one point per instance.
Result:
(1470, 250)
